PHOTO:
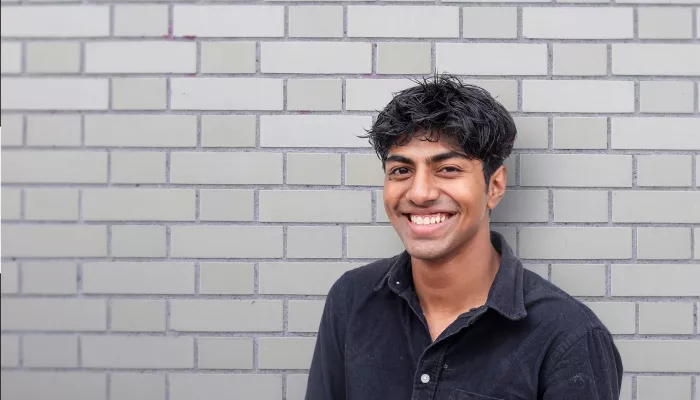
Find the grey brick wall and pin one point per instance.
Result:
(182, 182)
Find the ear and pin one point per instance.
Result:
(497, 187)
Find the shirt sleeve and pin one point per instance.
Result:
(590, 369)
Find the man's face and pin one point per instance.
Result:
(436, 198)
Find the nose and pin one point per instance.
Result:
(423, 190)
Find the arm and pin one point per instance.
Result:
(590, 369)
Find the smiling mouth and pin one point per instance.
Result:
(429, 219)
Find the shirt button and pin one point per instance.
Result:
(425, 378)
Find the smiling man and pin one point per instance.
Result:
(455, 316)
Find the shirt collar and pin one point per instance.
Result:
(506, 295)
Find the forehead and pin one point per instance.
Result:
(422, 145)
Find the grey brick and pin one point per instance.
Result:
(305, 315)
(315, 206)
(618, 317)
(316, 21)
(504, 91)
(580, 206)
(27, 166)
(12, 127)
(314, 242)
(540, 269)
(660, 355)
(313, 169)
(642, 133)
(24, 93)
(663, 243)
(591, 96)
(140, 57)
(228, 57)
(226, 315)
(313, 130)
(226, 168)
(142, 315)
(54, 241)
(580, 133)
(372, 94)
(296, 386)
(226, 205)
(51, 204)
(403, 58)
(696, 246)
(665, 318)
(227, 241)
(577, 59)
(141, 20)
(139, 277)
(53, 130)
(225, 353)
(226, 278)
(580, 279)
(294, 277)
(228, 130)
(137, 386)
(576, 170)
(665, 23)
(138, 204)
(10, 281)
(626, 388)
(53, 57)
(141, 130)
(653, 206)
(664, 387)
(381, 211)
(235, 386)
(364, 170)
(49, 277)
(25, 385)
(139, 94)
(9, 351)
(11, 204)
(509, 233)
(138, 167)
(666, 96)
(655, 280)
(50, 351)
(226, 93)
(314, 94)
(575, 243)
(138, 241)
(490, 22)
(11, 57)
(664, 170)
(373, 242)
(54, 314)
(285, 352)
(532, 132)
(522, 206)
(147, 352)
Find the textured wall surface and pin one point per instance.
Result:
(182, 181)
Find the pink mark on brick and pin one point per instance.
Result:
(191, 75)
(189, 37)
(304, 112)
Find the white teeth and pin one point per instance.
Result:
(432, 220)
(429, 220)
(442, 219)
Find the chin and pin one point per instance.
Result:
(427, 251)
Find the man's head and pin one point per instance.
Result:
(442, 145)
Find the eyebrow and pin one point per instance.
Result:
(432, 160)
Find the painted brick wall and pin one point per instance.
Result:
(182, 182)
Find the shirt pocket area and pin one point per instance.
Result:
(457, 394)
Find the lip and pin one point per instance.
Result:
(427, 230)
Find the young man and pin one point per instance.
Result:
(455, 316)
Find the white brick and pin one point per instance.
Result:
(285, 352)
(666, 96)
(226, 205)
(373, 242)
(143, 352)
(315, 206)
(49, 277)
(241, 386)
(363, 170)
(225, 353)
(540, 269)
(665, 318)
(292, 277)
(532, 132)
(243, 168)
(659, 1)
(9, 351)
(575, 243)
(45, 204)
(228, 57)
(138, 204)
(10, 282)
(504, 91)
(46, 314)
(403, 58)
(655, 59)
(313, 169)
(23, 385)
(138, 241)
(139, 94)
(226, 94)
(490, 22)
(523, 206)
(313, 130)
(400, 21)
(296, 386)
(137, 386)
(492, 58)
(53, 57)
(314, 242)
(53, 130)
(10, 57)
(580, 59)
(316, 21)
(140, 57)
(54, 93)
(305, 315)
(642, 133)
(580, 133)
(12, 126)
(228, 130)
(656, 206)
(141, 130)
(50, 351)
(23, 166)
(226, 278)
(658, 387)
(12, 203)
(576, 170)
(665, 23)
(655, 280)
(226, 315)
(577, 23)
(55, 21)
(138, 167)
(619, 317)
(139, 277)
(580, 279)
(315, 57)
(314, 94)
(578, 96)
(659, 356)
(54, 241)
(227, 241)
(580, 206)
(372, 94)
(141, 20)
(228, 21)
(664, 170)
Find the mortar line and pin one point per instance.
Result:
(519, 22)
(461, 22)
(108, 385)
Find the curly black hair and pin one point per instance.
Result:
(464, 115)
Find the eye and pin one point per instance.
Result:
(450, 169)
(399, 171)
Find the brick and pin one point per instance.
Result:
(51, 204)
(226, 315)
(316, 57)
(400, 21)
(372, 94)
(12, 127)
(285, 353)
(655, 59)
(696, 246)
(658, 1)
(53, 57)
(653, 207)
(146, 352)
(228, 130)
(141, 130)
(577, 23)
(316, 21)
(314, 94)
(664, 170)
(122, 204)
(665, 23)
(666, 96)
(657, 387)
(226, 205)
(618, 317)
(10, 282)
(50, 351)
(492, 58)
(226, 241)
(580, 279)
(54, 314)
(49, 277)
(139, 94)
(504, 91)
(576, 170)
(226, 93)
(314, 242)
(363, 170)
(313, 169)
(226, 278)
(523, 206)
(138, 241)
(540, 269)
(296, 386)
(403, 58)
(11, 56)
(578, 59)
(490, 22)
(225, 353)
(54, 93)
(665, 318)
(228, 57)
(138, 167)
(18, 385)
(228, 21)
(381, 211)
(533, 132)
(589, 133)
(655, 280)
(11, 204)
(9, 351)
(54, 241)
(141, 315)
(580, 206)
(292, 277)
(137, 386)
(53, 130)
(660, 355)
(55, 21)
(575, 243)
(313, 130)
(141, 20)
(226, 168)
(509, 233)
(139, 277)
(642, 133)
(242, 386)
(315, 206)
(626, 388)
(305, 315)
(578, 96)
(373, 242)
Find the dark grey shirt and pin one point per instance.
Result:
(529, 341)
